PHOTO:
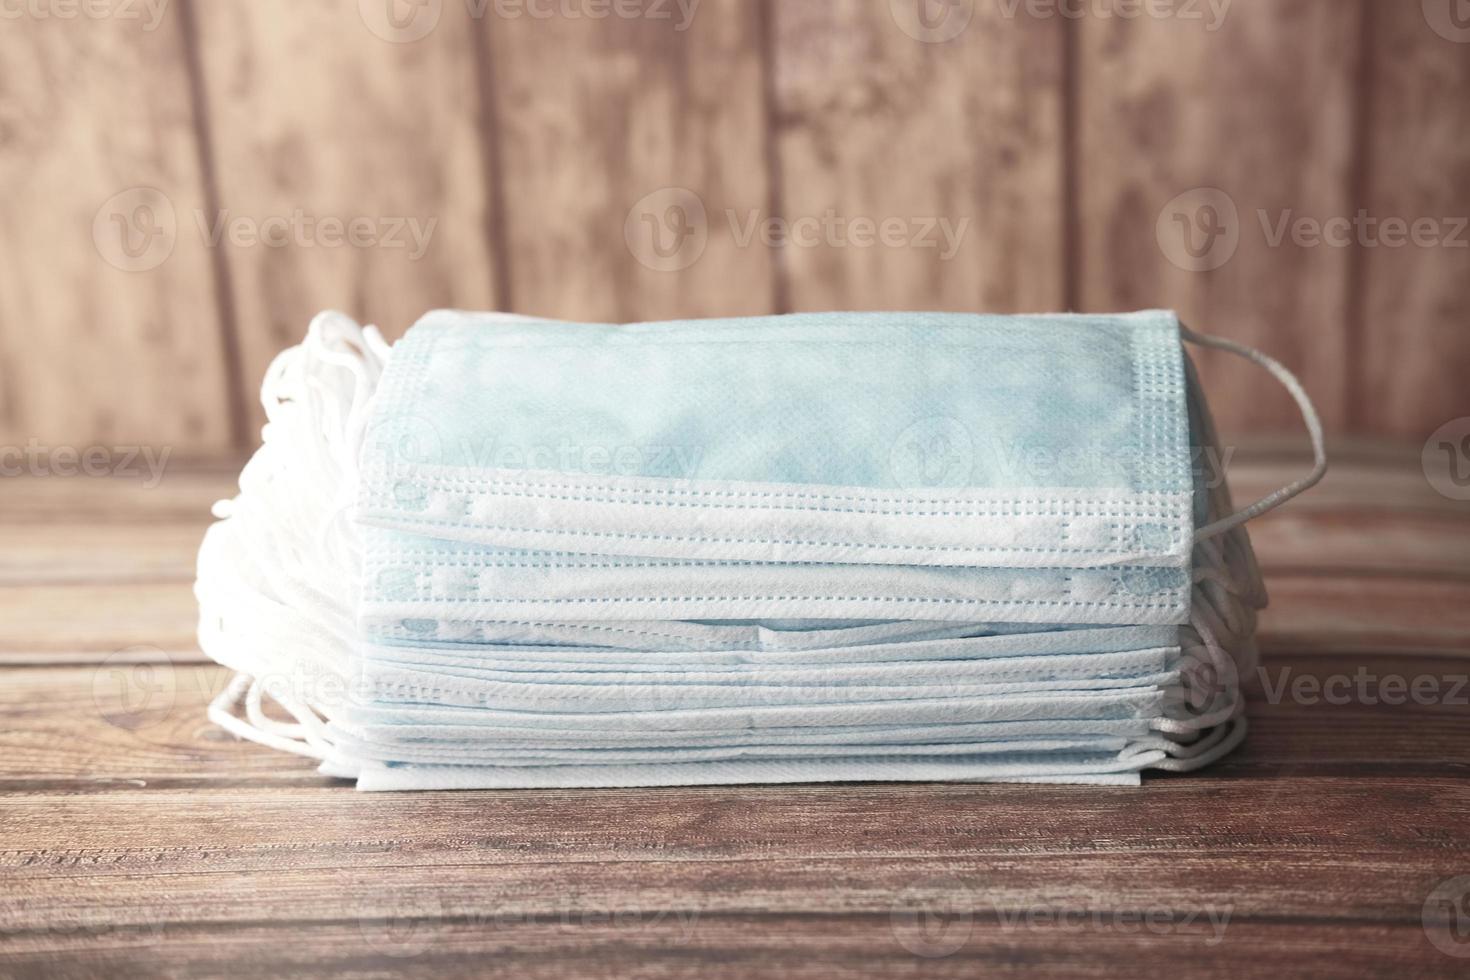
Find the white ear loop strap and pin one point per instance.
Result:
(1309, 416)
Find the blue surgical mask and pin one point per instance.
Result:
(835, 546)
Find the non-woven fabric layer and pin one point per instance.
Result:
(423, 580)
(893, 438)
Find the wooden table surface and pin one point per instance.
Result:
(137, 839)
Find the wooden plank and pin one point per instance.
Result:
(1414, 302)
(1302, 541)
(140, 717)
(330, 113)
(1261, 109)
(874, 123)
(778, 850)
(98, 812)
(97, 554)
(239, 858)
(613, 129)
(658, 943)
(93, 566)
(1367, 612)
(1362, 477)
(87, 622)
(100, 347)
(136, 719)
(183, 495)
(1297, 540)
(41, 623)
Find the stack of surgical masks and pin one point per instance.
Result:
(508, 552)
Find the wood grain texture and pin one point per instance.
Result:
(100, 347)
(619, 135)
(759, 850)
(325, 113)
(46, 622)
(113, 554)
(1415, 324)
(188, 488)
(132, 719)
(552, 149)
(874, 124)
(1261, 109)
(821, 947)
(93, 566)
(140, 720)
(136, 839)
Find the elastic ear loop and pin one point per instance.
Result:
(1233, 735)
(1226, 729)
(1309, 417)
(221, 712)
(255, 714)
(1217, 655)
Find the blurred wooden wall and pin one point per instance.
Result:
(540, 148)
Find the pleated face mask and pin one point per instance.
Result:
(816, 546)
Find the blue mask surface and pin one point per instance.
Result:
(819, 546)
(918, 466)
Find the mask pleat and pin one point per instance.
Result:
(517, 553)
